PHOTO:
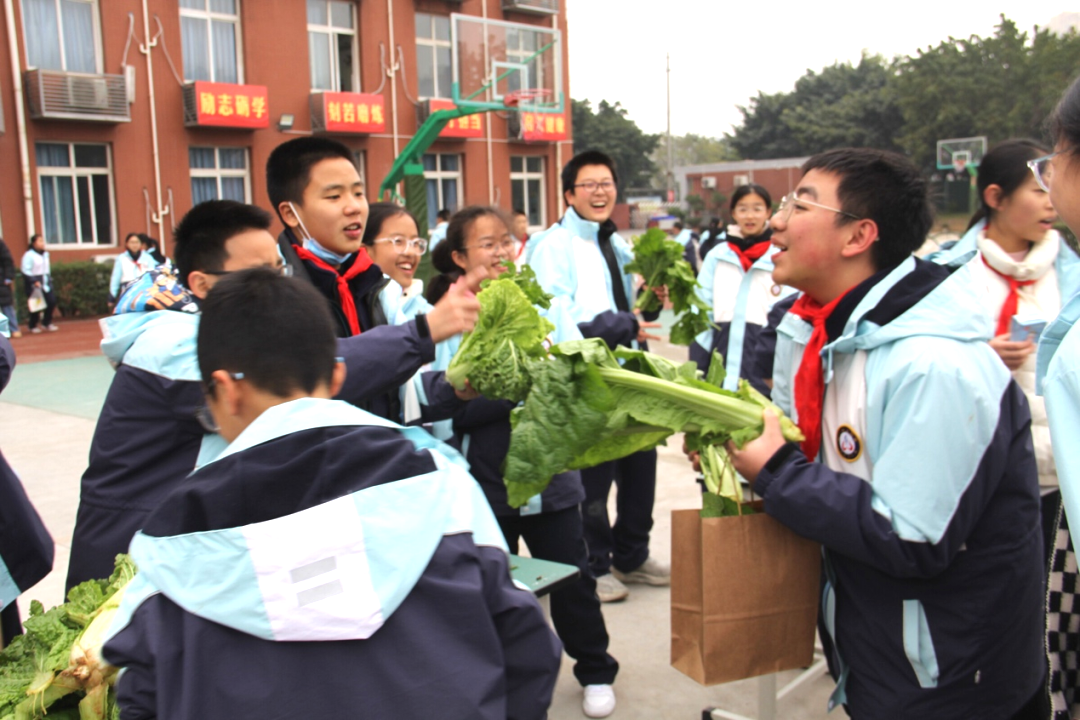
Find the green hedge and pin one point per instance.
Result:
(82, 290)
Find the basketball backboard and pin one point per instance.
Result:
(963, 152)
(497, 64)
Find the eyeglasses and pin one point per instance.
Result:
(402, 244)
(1043, 170)
(506, 246)
(750, 210)
(283, 270)
(791, 201)
(202, 413)
(592, 186)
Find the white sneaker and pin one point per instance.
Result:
(651, 572)
(35, 330)
(609, 589)
(52, 328)
(599, 701)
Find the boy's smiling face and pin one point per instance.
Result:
(811, 241)
(334, 209)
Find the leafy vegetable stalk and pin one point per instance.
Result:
(659, 260)
(56, 667)
(508, 333)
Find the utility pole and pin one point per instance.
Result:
(670, 146)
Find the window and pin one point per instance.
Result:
(359, 157)
(76, 193)
(332, 45)
(210, 34)
(433, 55)
(219, 174)
(62, 35)
(443, 176)
(527, 187)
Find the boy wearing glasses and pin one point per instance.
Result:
(580, 261)
(148, 438)
(917, 475)
(328, 562)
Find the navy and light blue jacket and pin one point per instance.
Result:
(925, 499)
(740, 301)
(329, 563)
(35, 269)
(570, 265)
(126, 268)
(147, 438)
(26, 549)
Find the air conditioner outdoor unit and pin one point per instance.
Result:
(708, 182)
(88, 92)
(741, 180)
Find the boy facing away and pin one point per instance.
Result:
(328, 563)
(917, 475)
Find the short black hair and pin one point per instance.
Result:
(589, 157)
(275, 330)
(751, 189)
(1005, 166)
(378, 213)
(199, 239)
(519, 211)
(1064, 121)
(288, 169)
(885, 187)
(678, 225)
(34, 237)
(443, 214)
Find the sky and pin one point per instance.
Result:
(723, 53)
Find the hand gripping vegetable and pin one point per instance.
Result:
(659, 260)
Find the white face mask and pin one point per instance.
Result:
(314, 247)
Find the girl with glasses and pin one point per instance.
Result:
(1024, 270)
(395, 245)
(736, 281)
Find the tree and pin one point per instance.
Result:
(690, 149)
(843, 105)
(611, 131)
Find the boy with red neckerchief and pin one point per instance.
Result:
(917, 475)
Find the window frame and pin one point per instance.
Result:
(438, 176)
(434, 43)
(335, 62)
(525, 176)
(218, 172)
(209, 16)
(95, 11)
(72, 171)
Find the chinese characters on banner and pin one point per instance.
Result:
(543, 126)
(226, 105)
(468, 126)
(353, 112)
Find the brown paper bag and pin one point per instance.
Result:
(744, 596)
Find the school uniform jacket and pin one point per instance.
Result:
(1055, 270)
(125, 269)
(147, 439)
(925, 499)
(740, 301)
(1059, 384)
(26, 549)
(329, 564)
(570, 265)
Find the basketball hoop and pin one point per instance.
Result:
(525, 96)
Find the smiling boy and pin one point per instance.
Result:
(917, 474)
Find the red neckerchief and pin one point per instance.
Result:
(810, 379)
(521, 249)
(1008, 309)
(752, 254)
(360, 264)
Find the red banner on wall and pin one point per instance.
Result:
(543, 126)
(227, 105)
(468, 126)
(354, 112)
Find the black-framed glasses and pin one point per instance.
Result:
(402, 244)
(592, 186)
(284, 270)
(1043, 170)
